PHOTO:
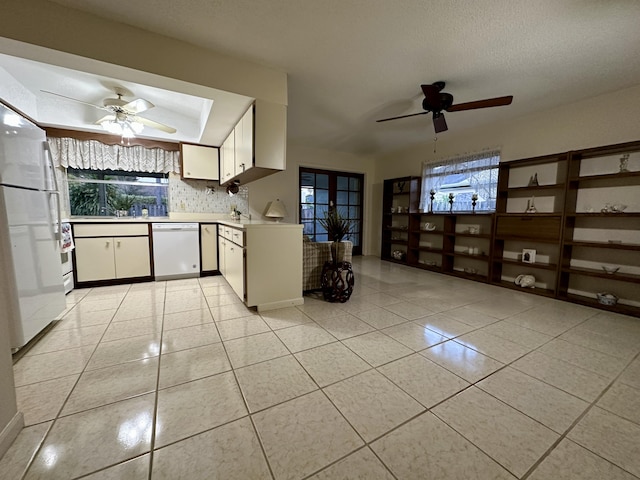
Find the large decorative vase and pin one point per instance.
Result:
(337, 281)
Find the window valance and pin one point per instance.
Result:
(95, 155)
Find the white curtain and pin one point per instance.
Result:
(95, 155)
(462, 176)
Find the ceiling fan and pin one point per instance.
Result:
(437, 101)
(123, 113)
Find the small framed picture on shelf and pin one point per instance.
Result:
(528, 255)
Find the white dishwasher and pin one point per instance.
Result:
(176, 250)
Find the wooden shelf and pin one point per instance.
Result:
(531, 240)
(539, 266)
(536, 291)
(528, 189)
(608, 245)
(591, 272)
(593, 302)
(470, 235)
(604, 215)
(432, 232)
(429, 249)
(471, 276)
(606, 176)
(468, 255)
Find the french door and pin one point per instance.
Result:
(320, 189)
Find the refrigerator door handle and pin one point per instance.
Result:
(55, 192)
(49, 156)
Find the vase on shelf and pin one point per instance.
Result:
(531, 206)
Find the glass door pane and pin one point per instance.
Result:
(321, 188)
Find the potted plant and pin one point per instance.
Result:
(337, 227)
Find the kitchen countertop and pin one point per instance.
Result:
(197, 218)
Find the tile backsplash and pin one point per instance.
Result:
(204, 196)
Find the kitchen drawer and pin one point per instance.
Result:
(236, 235)
(529, 226)
(110, 229)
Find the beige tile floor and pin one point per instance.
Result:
(418, 376)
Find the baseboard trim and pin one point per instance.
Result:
(10, 432)
(280, 304)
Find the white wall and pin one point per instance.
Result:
(603, 120)
(285, 185)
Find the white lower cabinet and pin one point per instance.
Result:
(263, 263)
(208, 247)
(100, 256)
(234, 267)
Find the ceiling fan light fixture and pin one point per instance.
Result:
(125, 127)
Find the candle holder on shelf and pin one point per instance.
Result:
(432, 195)
(624, 163)
(474, 199)
(451, 196)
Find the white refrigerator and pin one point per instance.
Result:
(30, 277)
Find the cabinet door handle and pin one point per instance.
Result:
(106, 244)
(206, 229)
(118, 244)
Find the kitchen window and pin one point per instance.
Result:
(117, 193)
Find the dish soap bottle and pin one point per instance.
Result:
(145, 212)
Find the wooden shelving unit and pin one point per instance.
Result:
(572, 237)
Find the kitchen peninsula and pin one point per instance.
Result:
(261, 260)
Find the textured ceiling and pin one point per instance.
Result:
(351, 62)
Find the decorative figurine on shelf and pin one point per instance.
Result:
(401, 187)
(451, 202)
(533, 181)
(474, 199)
(432, 194)
(531, 206)
(624, 163)
(525, 281)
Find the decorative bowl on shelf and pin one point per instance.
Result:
(605, 298)
(610, 269)
(397, 254)
(430, 227)
(470, 271)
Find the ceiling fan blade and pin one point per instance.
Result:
(489, 102)
(75, 100)
(138, 105)
(152, 124)
(439, 123)
(106, 118)
(401, 116)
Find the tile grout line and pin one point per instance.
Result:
(154, 419)
(577, 420)
(57, 416)
(242, 395)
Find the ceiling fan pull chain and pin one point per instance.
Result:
(435, 139)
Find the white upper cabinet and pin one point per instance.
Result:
(259, 144)
(199, 161)
(244, 142)
(228, 165)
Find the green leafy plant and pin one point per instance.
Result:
(336, 225)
